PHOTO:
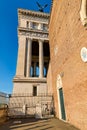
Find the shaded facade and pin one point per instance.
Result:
(68, 35)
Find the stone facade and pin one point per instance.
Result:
(69, 77)
(30, 82)
(33, 62)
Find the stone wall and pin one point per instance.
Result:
(67, 37)
(49, 80)
(27, 88)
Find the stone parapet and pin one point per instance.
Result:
(33, 13)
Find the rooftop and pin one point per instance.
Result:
(33, 13)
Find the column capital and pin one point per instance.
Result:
(30, 38)
(41, 40)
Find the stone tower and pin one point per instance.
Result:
(30, 82)
(33, 53)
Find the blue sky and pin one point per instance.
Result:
(8, 37)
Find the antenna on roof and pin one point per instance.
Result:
(41, 8)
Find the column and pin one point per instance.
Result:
(40, 26)
(21, 56)
(29, 56)
(30, 24)
(41, 62)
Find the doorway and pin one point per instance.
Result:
(61, 106)
(63, 116)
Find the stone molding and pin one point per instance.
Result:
(33, 13)
(35, 19)
(32, 30)
(33, 34)
(30, 79)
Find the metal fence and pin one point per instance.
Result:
(4, 98)
(25, 105)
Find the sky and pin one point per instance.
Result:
(8, 38)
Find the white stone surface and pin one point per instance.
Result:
(24, 88)
(84, 54)
(38, 113)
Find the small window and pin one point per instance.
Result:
(45, 27)
(34, 90)
(27, 24)
(35, 25)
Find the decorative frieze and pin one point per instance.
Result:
(34, 34)
(31, 18)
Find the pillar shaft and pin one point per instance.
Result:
(29, 56)
(21, 56)
(30, 24)
(40, 26)
(41, 62)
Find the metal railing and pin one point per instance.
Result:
(19, 102)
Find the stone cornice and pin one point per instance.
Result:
(32, 30)
(33, 13)
(30, 80)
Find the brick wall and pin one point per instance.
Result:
(67, 37)
(49, 80)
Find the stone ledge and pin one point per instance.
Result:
(30, 80)
(33, 13)
(32, 30)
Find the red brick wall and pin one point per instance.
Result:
(68, 36)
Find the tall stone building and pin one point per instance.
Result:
(33, 53)
(68, 54)
(30, 82)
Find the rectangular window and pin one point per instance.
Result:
(45, 27)
(35, 25)
(27, 24)
(34, 90)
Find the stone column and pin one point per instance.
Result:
(29, 56)
(30, 24)
(40, 26)
(41, 58)
(21, 56)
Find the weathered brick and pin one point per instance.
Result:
(67, 37)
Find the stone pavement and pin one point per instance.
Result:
(34, 124)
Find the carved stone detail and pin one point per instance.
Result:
(34, 34)
(83, 13)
